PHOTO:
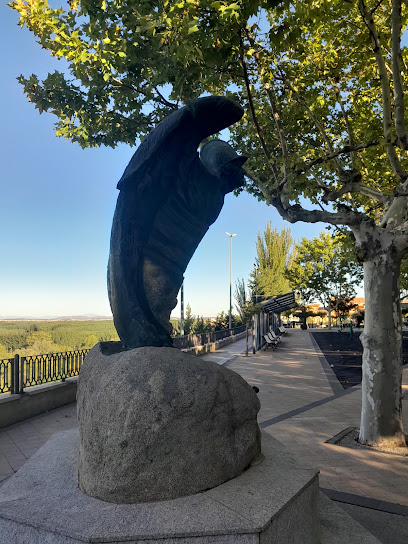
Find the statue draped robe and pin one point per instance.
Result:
(168, 198)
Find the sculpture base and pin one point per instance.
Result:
(274, 502)
(157, 424)
(274, 497)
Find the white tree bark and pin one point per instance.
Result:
(246, 336)
(381, 422)
(329, 312)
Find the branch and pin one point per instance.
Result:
(401, 190)
(348, 126)
(150, 95)
(317, 201)
(400, 238)
(319, 126)
(166, 102)
(295, 212)
(400, 128)
(355, 187)
(253, 115)
(385, 91)
(279, 128)
(376, 7)
(259, 184)
(272, 102)
(344, 150)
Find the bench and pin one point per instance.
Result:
(270, 342)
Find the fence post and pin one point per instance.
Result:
(64, 365)
(22, 360)
(16, 375)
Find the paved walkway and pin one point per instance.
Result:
(303, 406)
(300, 408)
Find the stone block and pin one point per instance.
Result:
(273, 502)
(157, 424)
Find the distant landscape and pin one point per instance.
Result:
(27, 337)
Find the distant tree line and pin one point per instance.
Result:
(197, 324)
(34, 337)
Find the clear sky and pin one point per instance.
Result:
(57, 203)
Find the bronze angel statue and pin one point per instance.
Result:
(169, 196)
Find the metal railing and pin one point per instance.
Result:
(192, 340)
(17, 373)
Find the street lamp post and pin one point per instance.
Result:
(231, 236)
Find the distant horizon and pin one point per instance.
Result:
(97, 317)
(84, 317)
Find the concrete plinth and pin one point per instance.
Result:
(274, 501)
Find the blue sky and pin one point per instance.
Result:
(57, 203)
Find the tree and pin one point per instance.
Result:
(404, 278)
(343, 305)
(303, 313)
(274, 253)
(245, 306)
(325, 269)
(189, 319)
(221, 322)
(322, 315)
(41, 342)
(323, 85)
(200, 326)
(4, 354)
(360, 317)
(90, 341)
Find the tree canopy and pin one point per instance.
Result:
(274, 253)
(325, 269)
(244, 302)
(311, 76)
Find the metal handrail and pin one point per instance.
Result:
(20, 372)
(194, 340)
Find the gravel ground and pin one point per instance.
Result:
(344, 354)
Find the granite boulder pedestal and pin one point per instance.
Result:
(157, 424)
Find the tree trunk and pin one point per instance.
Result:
(381, 422)
(247, 334)
(328, 309)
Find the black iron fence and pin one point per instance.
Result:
(192, 340)
(17, 373)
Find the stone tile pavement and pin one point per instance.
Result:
(20, 441)
(299, 408)
(301, 405)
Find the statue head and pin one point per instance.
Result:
(222, 162)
